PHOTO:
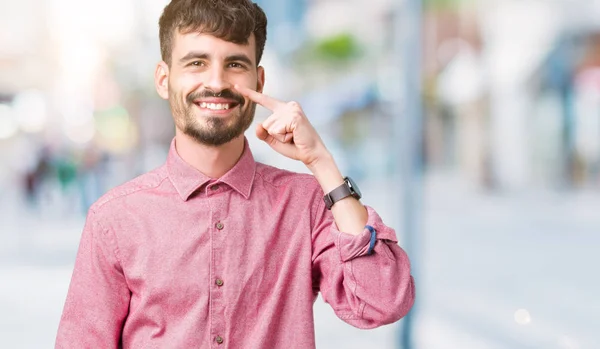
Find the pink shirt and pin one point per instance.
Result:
(175, 259)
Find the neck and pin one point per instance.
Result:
(212, 161)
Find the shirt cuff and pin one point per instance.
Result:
(352, 246)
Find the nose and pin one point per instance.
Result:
(217, 80)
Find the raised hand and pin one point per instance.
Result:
(287, 130)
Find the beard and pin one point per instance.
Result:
(211, 130)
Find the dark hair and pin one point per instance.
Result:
(230, 20)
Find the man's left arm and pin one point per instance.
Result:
(357, 265)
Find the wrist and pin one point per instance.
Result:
(326, 172)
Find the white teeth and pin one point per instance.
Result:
(214, 106)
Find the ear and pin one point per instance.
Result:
(161, 80)
(261, 79)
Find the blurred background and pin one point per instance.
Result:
(472, 126)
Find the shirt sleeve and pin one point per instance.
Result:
(365, 278)
(98, 298)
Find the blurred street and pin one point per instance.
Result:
(492, 106)
(501, 271)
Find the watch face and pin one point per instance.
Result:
(353, 188)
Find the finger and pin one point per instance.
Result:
(280, 137)
(289, 138)
(285, 149)
(279, 131)
(270, 121)
(271, 126)
(262, 99)
(282, 130)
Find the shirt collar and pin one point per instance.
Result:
(186, 179)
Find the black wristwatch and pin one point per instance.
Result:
(349, 188)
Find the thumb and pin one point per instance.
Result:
(261, 132)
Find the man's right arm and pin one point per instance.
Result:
(98, 298)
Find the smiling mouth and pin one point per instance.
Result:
(217, 106)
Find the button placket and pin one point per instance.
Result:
(218, 207)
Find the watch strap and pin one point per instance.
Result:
(337, 194)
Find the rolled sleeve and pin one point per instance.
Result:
(366, 290)
(353, 246)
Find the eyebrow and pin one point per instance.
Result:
(203, 55)
(194, 55)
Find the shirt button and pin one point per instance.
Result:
(219, 339)
(215, 187)
(220, 226)
(219, 282)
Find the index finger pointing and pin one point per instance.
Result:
(262, 99)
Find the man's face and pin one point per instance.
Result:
(200, 86)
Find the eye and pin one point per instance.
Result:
(236, 65)
(197, 63)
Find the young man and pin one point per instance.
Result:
(214, 250)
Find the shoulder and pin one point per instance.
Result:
(277, 177)
(137, 187)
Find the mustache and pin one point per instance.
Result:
(229, 94)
